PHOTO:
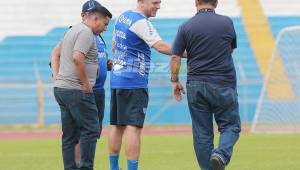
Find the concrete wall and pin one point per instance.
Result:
(34, 17)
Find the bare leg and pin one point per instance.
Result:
(115, 139)
(132, 142)
(114, 145)
(77, 154)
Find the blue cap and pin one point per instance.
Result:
(89, 5)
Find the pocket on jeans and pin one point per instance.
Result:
(227, 96)
(190, 83)
(88, 97)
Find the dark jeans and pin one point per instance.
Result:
(100, 103)
(78, 113)
(207, 100)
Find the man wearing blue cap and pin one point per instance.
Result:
(104, 66)
(74, 73)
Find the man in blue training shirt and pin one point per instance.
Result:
(209, 40)
(133, 37)
(103, 66)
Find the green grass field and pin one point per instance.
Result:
(252, 152)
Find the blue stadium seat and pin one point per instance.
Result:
(23, 59)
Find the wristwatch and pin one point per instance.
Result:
(174, 79)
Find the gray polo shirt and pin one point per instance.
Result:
(79, 38)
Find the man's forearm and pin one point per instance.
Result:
(163, 47)
(55, 59)
(80, 67)
(175, 67)
(55, 65)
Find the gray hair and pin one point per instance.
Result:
(208, 1)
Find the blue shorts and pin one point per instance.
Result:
(128, 107)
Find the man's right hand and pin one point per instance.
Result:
(177, 90)
(87, 88)
(54, 77)
(109, 64)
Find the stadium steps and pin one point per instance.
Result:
(263, 43)
(34, 51)
(24, 53)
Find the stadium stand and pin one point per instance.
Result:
(28, 37)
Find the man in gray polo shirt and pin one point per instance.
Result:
(73, 91)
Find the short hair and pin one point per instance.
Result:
(101, 10)
(208, 1)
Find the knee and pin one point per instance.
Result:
(69, 138)
(235, 129)
(90, 135)
(114, 150)
(204, 137)
(68, 143)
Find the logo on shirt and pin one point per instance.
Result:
(118, 65)
(142, 68)
(101, 55)
(120, 34)
(122, 46)
(125, 20)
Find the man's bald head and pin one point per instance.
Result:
(149, 7)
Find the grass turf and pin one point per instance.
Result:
(252, 152)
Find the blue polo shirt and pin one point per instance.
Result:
(209, 40)
(102, 64)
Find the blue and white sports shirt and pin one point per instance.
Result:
(133, 37)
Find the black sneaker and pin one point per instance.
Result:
(217, 163)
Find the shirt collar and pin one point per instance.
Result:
(204, 10)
